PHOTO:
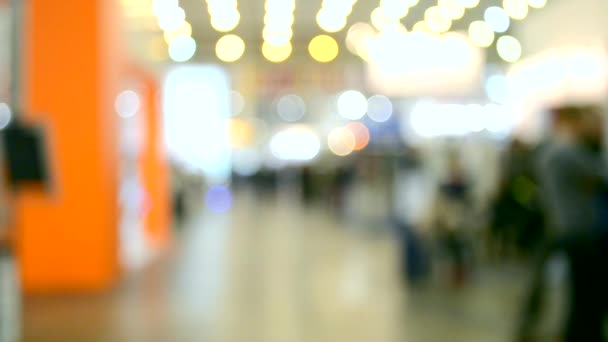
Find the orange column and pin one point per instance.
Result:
(67, 236)
(154, 165)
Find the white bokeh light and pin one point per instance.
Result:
(497, 19)
(352, 105)
(127, 104)
(291, 108)
(380, 108)
(497, 88)
(5, 115)
(296, 143)
(182, 49)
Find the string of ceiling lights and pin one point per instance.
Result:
(332, 18)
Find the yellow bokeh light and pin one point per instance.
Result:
(509, 49)
(230, 48)
(276, 53)
(226, 24)
(323, 48)
(422, 26)
(379, 20)
(240, 133)
(481, 34)
(516, 9)
(537, 3)
(453, 8)
(438, 19)
(341, 141)
(184, 30)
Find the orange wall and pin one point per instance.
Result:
(67, 238)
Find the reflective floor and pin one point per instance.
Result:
(275, 271)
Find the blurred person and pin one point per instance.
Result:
(452, 210)
(573, 183)
(517, 220)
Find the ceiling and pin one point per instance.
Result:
(304, 28)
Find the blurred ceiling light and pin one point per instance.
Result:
(497, 19)
(277, 37)
(5, 115)
(127, 104)
(509, 49)
(422, 26)
(226, 24)
(379, 20)
(361, 134)
(352, 105)
(341, 141)
(469, 3)
(171, 19)
(537, 3)
(295, 143)
(516, 9)
(230, 48)
(333, 15)
(438, 19)
(224, 14)
(278, 32)
(323, 48)
(182, 49)
(356, 36)
(455, 9)
(184, 30)
(481, 34)
(379, 108)
(329, 22)
(276, 53)
(237, 102)
(240, 133)
(291, 108)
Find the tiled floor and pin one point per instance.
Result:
(272, 271)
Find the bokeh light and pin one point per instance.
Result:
(509, 49)
(276, 54)
(296, 143)
(226, 24)
(171, 18)
(454, 8)
(438, 19)
(184, 30)
(395, 9)
(358, 35)
(237, 102)
(291, 108)
(240, 133)
(323, 48)
(497, 19)
(330, 22)
(341, 141)
(380, 108)
(127, 104)
(5, 115)
(497, 88)
(218, 199)
(481, 34)
(537, 3)
(182, 49)
(230, 48)
(352, 105)
(361, 134)
(516, 9)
